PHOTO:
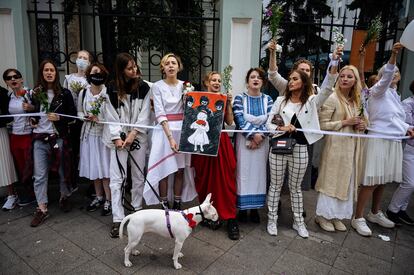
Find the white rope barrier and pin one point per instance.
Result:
(321, 132)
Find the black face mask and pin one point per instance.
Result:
(96, 79)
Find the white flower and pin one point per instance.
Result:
(278, 48)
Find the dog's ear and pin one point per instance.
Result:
(208, 198)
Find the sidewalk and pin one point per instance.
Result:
(78, 243)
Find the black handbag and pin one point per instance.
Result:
(283, 145)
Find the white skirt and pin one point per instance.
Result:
(7, 170)
(251, 174)
(163, 162)
(383, 161)
(94, 158)
(334, 208)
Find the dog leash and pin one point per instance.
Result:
(134, 146)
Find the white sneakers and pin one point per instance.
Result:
(360, 225)
(10, 203)
(301, 229)
(272, 228)
(380, 219)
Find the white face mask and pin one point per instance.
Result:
(82, 64)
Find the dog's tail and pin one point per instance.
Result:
(121, 227)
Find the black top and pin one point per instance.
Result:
(62, 103)
(299, 136)
(4, 107)
(140, 93)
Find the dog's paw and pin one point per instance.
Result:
(135, 252)
(128, 263)
(177, 265)
(180, 255)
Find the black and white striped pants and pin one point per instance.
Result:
(296, 164)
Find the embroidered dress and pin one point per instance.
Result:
(250, 115)
(94, 155)
(168, 105)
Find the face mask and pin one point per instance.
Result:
(82, 64)
(96, 79)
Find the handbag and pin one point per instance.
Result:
(283, 145)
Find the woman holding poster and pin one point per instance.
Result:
(216, 175)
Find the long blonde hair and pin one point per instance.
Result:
(355, 93)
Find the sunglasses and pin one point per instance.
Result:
(15, 76)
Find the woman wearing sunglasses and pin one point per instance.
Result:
(19, 102)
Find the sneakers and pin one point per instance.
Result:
(394, 217)
(26, 200)
(95, 204)
(10, 203)
(301, 229)
(165, 205)
(272, 227)
(380, 219)
(65, 205)
(39, 218)
(107, 209)
(339, 225)
(233, 229)
(405, 218)
(115, 230)
(324, 224)
(360, 225)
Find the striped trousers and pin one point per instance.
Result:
(296, 164)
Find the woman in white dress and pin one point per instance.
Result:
(94, 155)
(164, 159)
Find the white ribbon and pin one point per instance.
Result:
(331, 133)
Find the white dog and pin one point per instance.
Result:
(170, 224)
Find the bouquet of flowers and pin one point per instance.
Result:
(76, 86)
(41, 97)
(96, 106)
(227, 78)
(364, 102)
(374, 31)
(187, 87)
(274, 15)
(338, 37)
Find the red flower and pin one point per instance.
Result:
(201, 122)
(191, 223)
(21, 93)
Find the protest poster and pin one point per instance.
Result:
(203, 121)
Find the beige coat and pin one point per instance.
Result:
(340, 155)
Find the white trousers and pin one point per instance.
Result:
(117, 179)
(402, 195)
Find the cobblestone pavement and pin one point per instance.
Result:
(78, 242)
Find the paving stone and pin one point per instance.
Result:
(405, 236)
(231, 264)
(335, 271)
(13, 215)
(283, 239)
(371, 246)
(92, 267)
(316, 249)
(17, 228)
(217, 238)
(356, 262)
(403, 257)
(78, 223)
(11, 263)
(114, 258)
(257, 253)
(333, 237)
(94, 242)
(294, 263)
(159, 268)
